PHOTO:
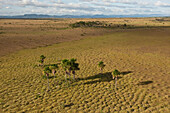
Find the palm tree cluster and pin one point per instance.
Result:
(50, 69)
(115, 73)
(70, 67)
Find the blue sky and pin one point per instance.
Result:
(84, 7)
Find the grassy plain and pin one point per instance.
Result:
(18, 34)
(142, 55)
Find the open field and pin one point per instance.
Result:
(142, 55)
(18, 34)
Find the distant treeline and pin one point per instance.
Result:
(87, 24)
(96, 24)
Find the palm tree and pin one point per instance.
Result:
(115, 74)
(101, 66)
(47, 71)
(74, 67)
(53, 68)
(70, 66)
(65, 64)
(41, 61)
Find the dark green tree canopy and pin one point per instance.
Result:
(47, 70)
(53, 66)
(73, 65)
(116, 72)
(41, 61)
(42, 57)
(70, 64)
(101, 64)
(65, 64)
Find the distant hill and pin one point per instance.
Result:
(80, 16)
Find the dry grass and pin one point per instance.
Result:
(21, 34)
(18, 34)
(141, 55)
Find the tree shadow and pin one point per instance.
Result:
(50, 77)
(92, 82)
(126, 72)
(69, 105)
(145, 82)
(102, 77)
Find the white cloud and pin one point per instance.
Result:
(109, 7)
(161, 4)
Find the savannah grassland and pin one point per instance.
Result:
(141, 52)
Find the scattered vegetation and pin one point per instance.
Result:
(115, 74)
(70, 67)
(23, 90)
(101, 66)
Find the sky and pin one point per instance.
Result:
(84, 7)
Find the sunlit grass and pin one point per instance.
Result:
(22, 87)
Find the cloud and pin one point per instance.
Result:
(57, 1)
(108, 7)
(161, 4)
(58, 4)
(85, 0)
(121, 1)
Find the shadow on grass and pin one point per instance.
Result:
(92, 82)
(50, 77)
(45, 65)
(102, 77)
(69, 105)
(145, 82)
(126, 72)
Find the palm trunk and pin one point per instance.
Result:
(48, 82)
(53, 71)
(73, 72)
(113, 77)
(74, 76)
(66, 75)
(42, 62)
(115, 82)
(101, 70)
(69, 76)
(69, 73)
